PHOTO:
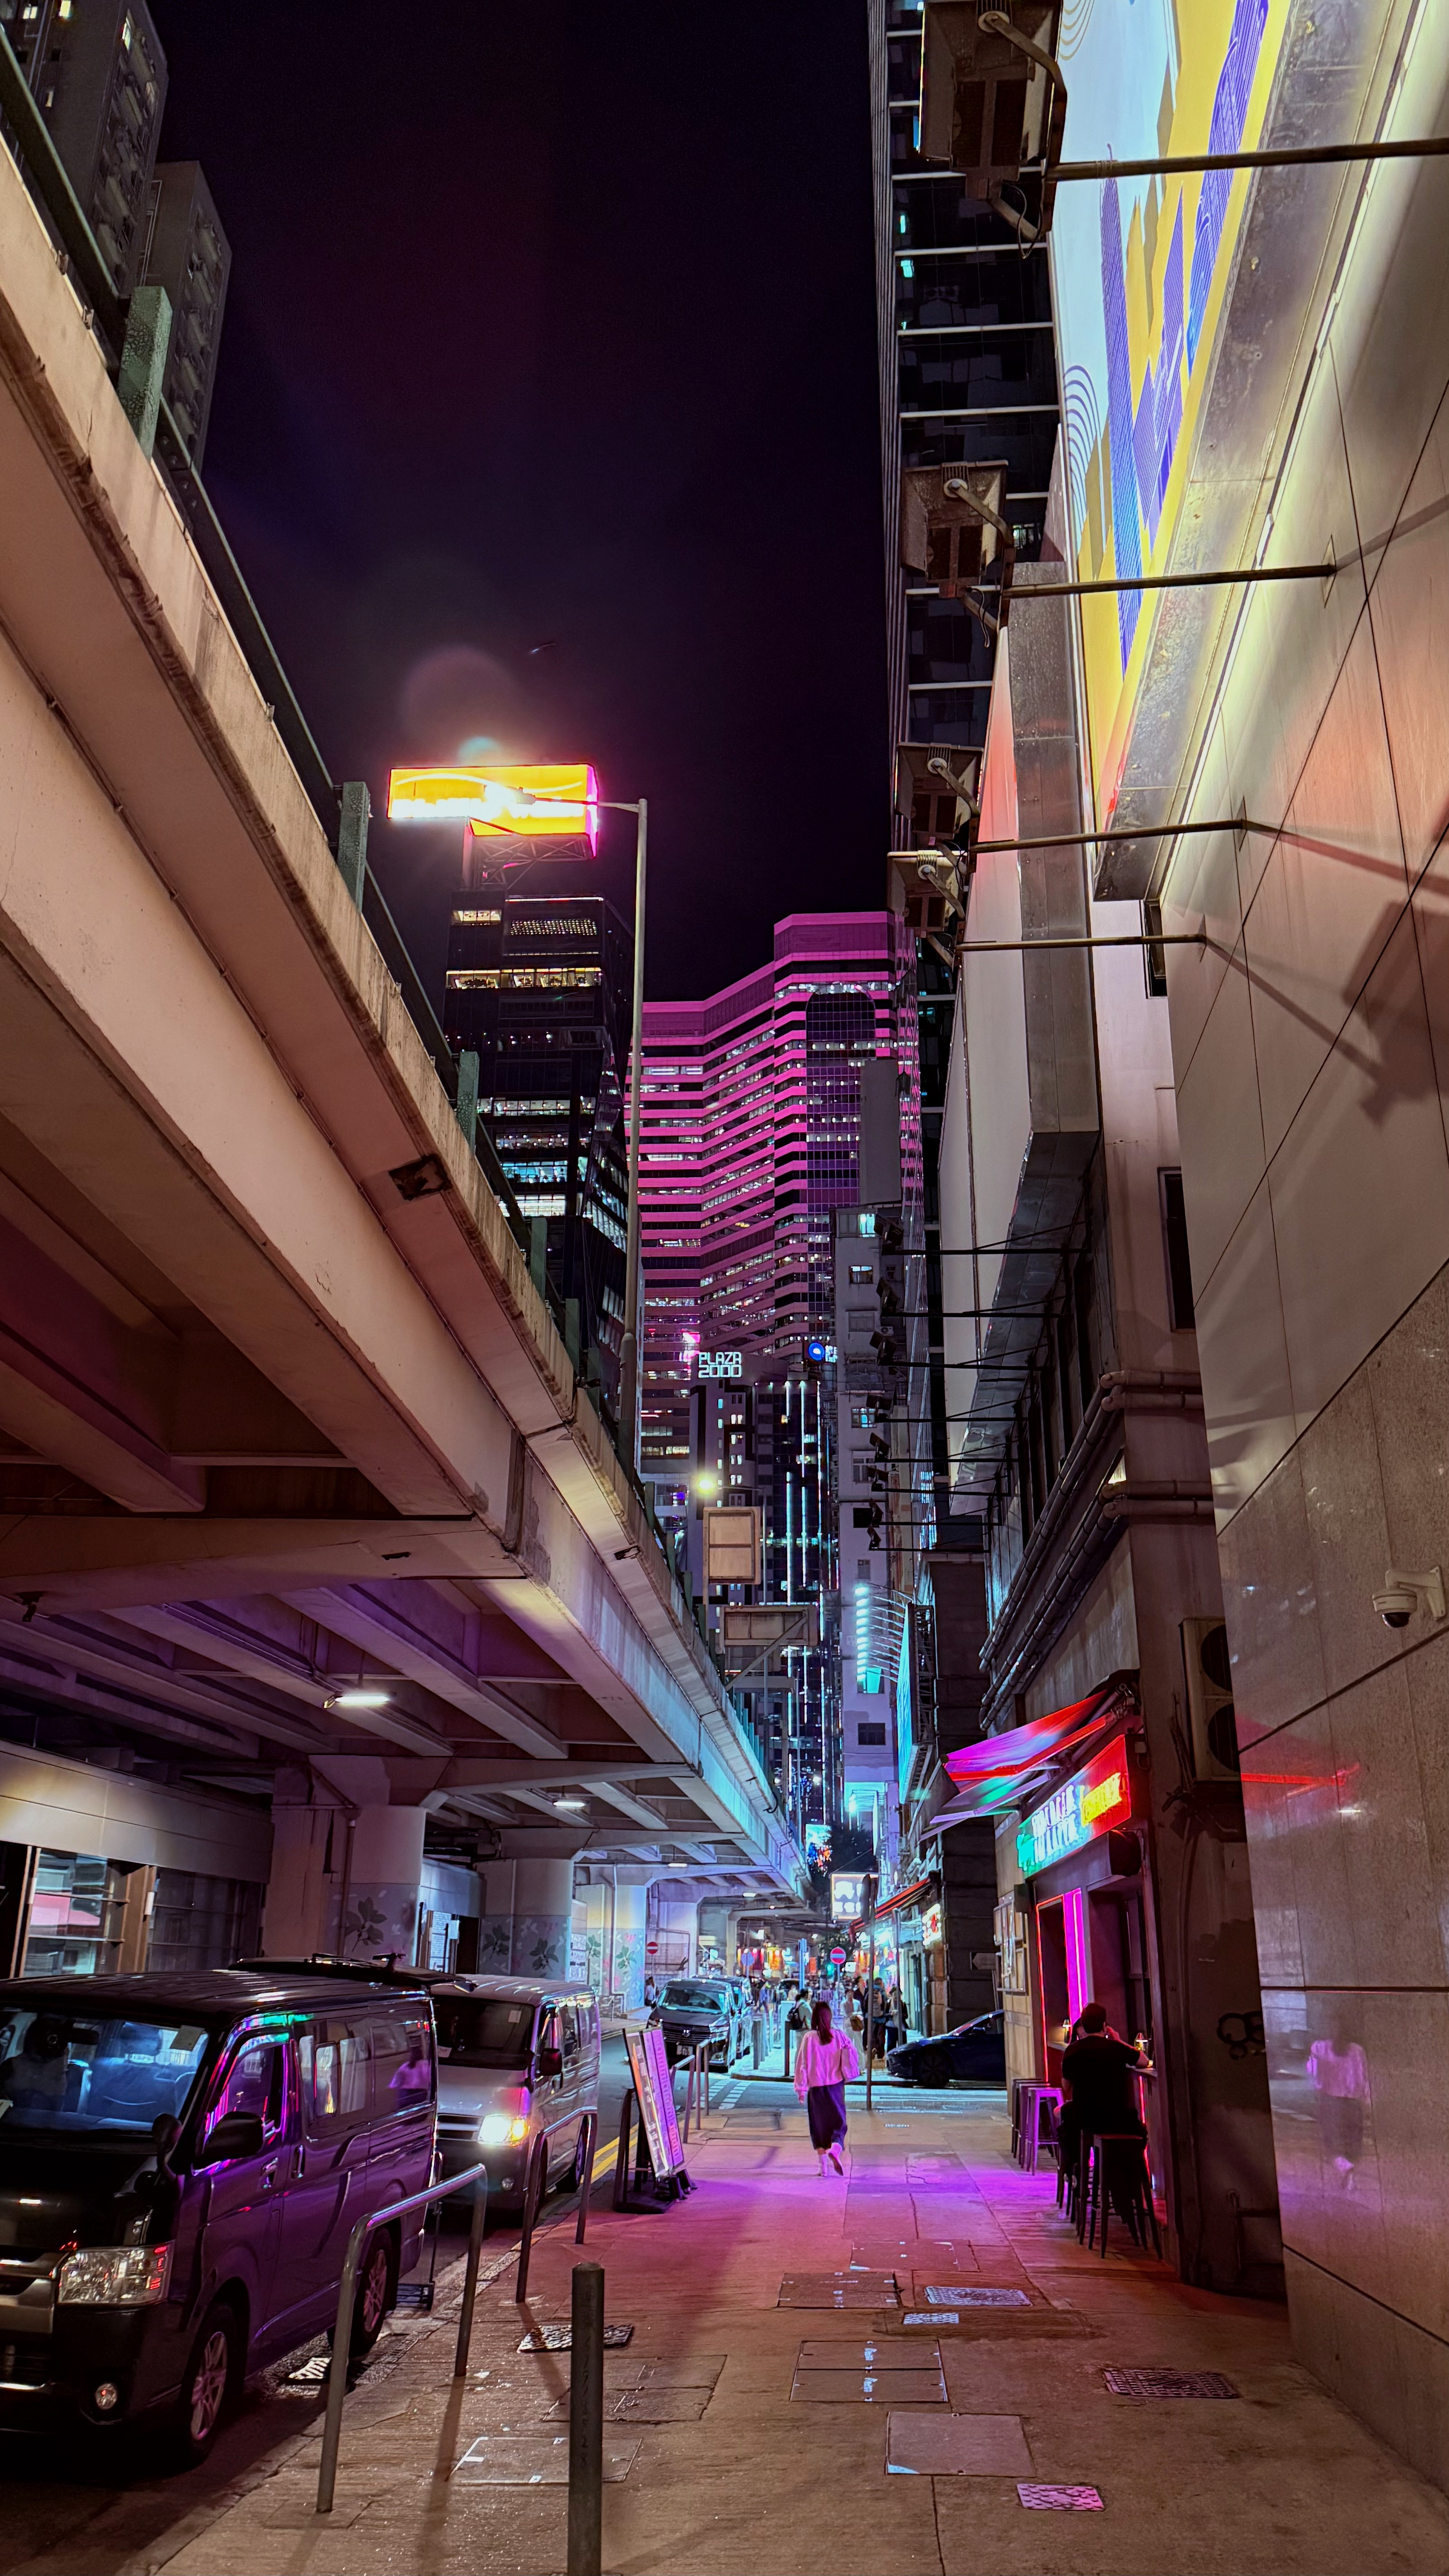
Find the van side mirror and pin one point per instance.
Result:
(239, 2135)
(548, 2063)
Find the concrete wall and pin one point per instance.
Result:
(1311, 1045)
(77, 1807)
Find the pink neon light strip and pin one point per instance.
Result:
(1079, 1975)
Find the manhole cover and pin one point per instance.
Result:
(560, 2338)
(1168, 2383)
(853, 2289)
(1060, 2499)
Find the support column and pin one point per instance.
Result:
(310, 1839)
(528, 1907)
(597, 1904)
(382, 1895)
(626, 1961)
(677, 1933)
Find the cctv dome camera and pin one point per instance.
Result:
(1396, 1608)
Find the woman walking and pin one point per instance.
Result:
(827, 2062)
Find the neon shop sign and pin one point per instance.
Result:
(1076, 1814)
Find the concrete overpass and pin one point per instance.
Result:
(280, 1407)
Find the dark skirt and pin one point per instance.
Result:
(826, 2106)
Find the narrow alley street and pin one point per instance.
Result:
(796, 2396)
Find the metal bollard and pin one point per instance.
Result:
(756, 2037)
(470, 2277)
(533, 2191)
(586, 2423)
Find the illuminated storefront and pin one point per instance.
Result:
(1083, 1853)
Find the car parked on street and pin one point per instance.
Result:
(973, 2053)
(692, 2010)
(183, 2157)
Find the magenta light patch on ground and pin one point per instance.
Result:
(1060, 2499)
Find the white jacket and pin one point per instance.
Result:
(825, 2061)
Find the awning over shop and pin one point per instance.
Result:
(897, 1904)
(994, 1773)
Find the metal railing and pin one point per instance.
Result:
(347, 2300)
(533, 2192)
(696, 2087)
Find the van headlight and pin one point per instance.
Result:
(499, 2130)
(115, 2276)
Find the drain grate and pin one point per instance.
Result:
(1168, 2383)
(560, 2338)
(1060, 2499)
(955, 2294)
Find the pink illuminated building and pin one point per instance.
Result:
(750, 1139)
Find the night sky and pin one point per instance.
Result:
(546, 413)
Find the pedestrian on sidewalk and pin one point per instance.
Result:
(826, 2064)
(1100, 2099)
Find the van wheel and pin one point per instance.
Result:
(376, 2292)
(210, 2376)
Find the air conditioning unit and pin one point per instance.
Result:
(993, 99)
(1211, 1720)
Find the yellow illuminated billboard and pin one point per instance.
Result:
(1141, 268)
(534, 801)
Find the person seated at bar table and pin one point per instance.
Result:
(1098, 2097)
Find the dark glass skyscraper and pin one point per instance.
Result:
(539, 986)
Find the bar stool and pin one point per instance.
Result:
(1128, 2170)
(1061, 2158)
(1036, 2100)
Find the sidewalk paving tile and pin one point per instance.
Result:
(870, 2387)
(956, 2446)
(541, 2459)
(838, 2290)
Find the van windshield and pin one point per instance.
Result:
(699, 1998)
(87, 2071)
(487, 2030)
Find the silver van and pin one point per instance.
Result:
(518, 2068)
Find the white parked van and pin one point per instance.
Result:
(518, 2068)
